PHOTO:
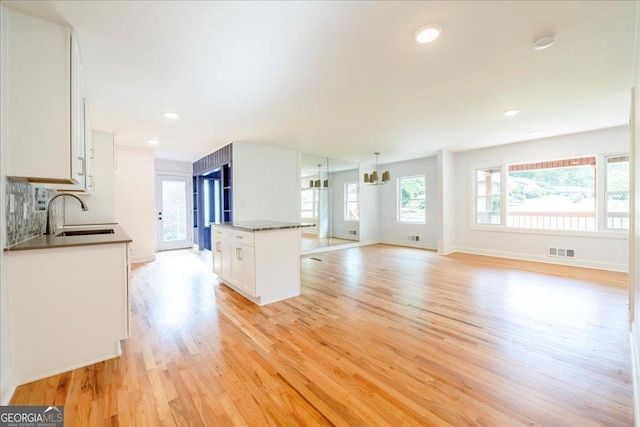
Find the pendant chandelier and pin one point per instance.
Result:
(318, 183)
(372, 178)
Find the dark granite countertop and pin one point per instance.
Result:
(51, 241)
(260, 225)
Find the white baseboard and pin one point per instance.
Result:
(544, 259)
(8, 388)
(409, 244)
(334, 248)
(635, 374)
(446, 251)
(117, 353)
(142, 258)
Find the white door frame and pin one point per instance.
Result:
(161, 245)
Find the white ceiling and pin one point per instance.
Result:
(346, 79)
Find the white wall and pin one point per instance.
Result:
(446, 203)
(173, 167)
(390, 230)
(7, 385)
(101, 202)
(591, 251)
(266, 183)
(339, 227)
(134, 201)
(369, 226)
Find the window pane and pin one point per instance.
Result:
(412, 199)
(488, 196)
(617, 192)
(553, 195)
(174, 210)
(351, 202)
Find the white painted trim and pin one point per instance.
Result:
(540, 231)
(173, 173)
(346, 237)
(426, 245)
(447, 251)
(635, 375)
(118, 353)
(8, 389)
(336, 248)
(142, 258)
(543, 259)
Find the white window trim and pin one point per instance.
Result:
(399, 200)
(346, 201)
(600, 232)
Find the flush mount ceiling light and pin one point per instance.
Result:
(512, 112)
(171, 115)
(153, 141)
(372, 178)
(543, 42)
(427, 34)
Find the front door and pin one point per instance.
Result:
(173, 223)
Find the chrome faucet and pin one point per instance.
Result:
(49, 227)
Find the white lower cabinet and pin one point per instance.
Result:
(264, 266)
(242, 268)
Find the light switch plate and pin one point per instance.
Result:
(39, 198)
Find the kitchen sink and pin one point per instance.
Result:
(89, 232)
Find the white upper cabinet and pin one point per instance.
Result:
(45, 113)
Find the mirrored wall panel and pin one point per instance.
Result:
(329, 199)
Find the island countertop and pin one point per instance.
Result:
(47, 241)
(260, 225)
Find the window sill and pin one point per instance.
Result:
(608, 234)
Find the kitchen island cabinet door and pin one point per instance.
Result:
(243, 273)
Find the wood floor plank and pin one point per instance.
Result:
(381, 335)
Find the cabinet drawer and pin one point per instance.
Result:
(220, 233)
(244, 237)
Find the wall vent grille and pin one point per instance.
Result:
(561, 253)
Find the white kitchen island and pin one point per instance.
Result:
(258, 259)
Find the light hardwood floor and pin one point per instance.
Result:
(382, 335)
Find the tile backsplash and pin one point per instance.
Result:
(25, 221)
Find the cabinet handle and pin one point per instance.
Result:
(82, 167)
(91, 151)
(218, 246)
(238, 237)
(239, 254)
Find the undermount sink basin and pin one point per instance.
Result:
(69, 233)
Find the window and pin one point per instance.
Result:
(309, 204)
(555, 195)
(488, 196)
(617, 193)
(351, 202)
(411, 200)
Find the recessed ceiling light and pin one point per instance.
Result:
(535, 133)
(543, 42)
(171, 115)
(153, 141)
(511, 113)
(427, 34)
